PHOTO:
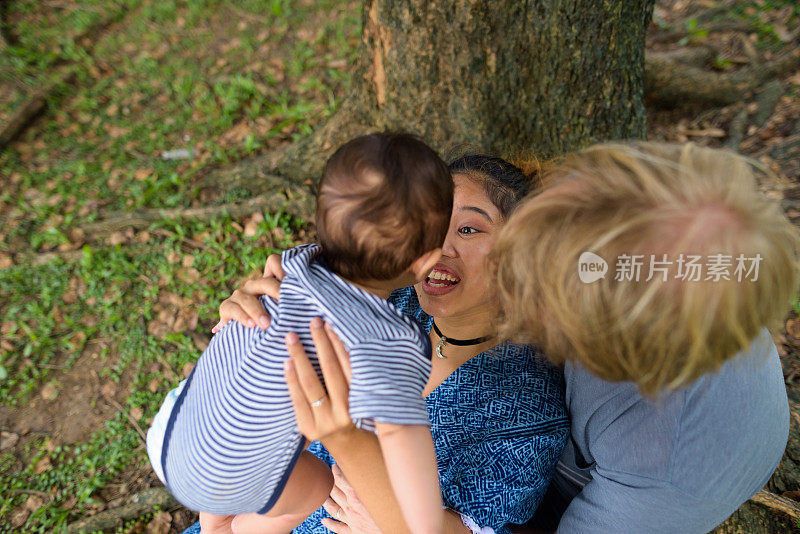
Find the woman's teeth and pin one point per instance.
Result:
(439, 279)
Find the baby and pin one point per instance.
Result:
(226, 443)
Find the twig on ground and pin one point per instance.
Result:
(130, 419)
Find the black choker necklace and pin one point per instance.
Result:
(458, 342)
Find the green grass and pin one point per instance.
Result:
(225, 79)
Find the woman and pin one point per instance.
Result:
(496, 409)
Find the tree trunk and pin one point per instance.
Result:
(546, 76)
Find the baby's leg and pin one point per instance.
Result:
(215, 524)
(307, 488)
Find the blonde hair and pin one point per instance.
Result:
(645, 199)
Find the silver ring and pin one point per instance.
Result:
(317, 402)
(339, 514)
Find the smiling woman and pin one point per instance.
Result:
(497, 411)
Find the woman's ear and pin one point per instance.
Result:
(423, 265)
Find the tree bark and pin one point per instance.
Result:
(547, 76)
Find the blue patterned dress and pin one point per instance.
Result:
(499, 425)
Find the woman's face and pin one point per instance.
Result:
(460, 284)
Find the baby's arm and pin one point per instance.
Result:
(411, 463)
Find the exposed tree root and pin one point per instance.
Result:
(777, 503)
(670, 82)
(36, 102)
(300, 162)
(291, 197)
(140, 504)
(31, 108)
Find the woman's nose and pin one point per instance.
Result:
(447, 248)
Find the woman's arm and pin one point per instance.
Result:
(356, 451)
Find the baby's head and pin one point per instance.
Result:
(383, 208)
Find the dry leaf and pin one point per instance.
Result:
(141, 174)
(49, 391)
(19, 516)
(173, 257)
(136, 413)
(154, 385)
(160, 524)
(5, 261)
(115, 131)
(108, 389)
(8, 440)
(42, 465)
(187, 369)
(793, 327)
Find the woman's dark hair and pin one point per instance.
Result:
(384, 200)
(505, 183)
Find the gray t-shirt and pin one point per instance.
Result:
(681, 463)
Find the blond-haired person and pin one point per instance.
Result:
(674, 387)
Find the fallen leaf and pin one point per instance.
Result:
(793, 327)
(173, 257)
(115, 131)
(160, 524)
(108, 389)
(8, 440)
(34, 502)
(136, 413)
(187, 369)
(5, 261)
(42, 465)
(49, 391)
(19, 516)
(70, 502)
(154, 385)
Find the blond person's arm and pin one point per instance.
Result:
(356, 451)
(411, 464)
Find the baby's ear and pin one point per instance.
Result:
(423, 265)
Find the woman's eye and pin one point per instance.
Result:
(466, 230)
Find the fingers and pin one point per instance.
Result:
(310, 385)
(341, 352)
(302, 410)
(273, 267)
(335, 381)
(268, 286)
(247, 299)
(335, 510)
(339, 481)
(339, 498)
(335, 526)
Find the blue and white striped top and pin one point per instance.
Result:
(232, 440)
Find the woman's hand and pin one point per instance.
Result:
(351, 517)
(243, 305)
(320, 414)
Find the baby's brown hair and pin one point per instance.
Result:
(384, 200)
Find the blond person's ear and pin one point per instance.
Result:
(423, 265)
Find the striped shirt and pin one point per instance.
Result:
(231, 440)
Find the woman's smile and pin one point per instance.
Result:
(441, 280)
